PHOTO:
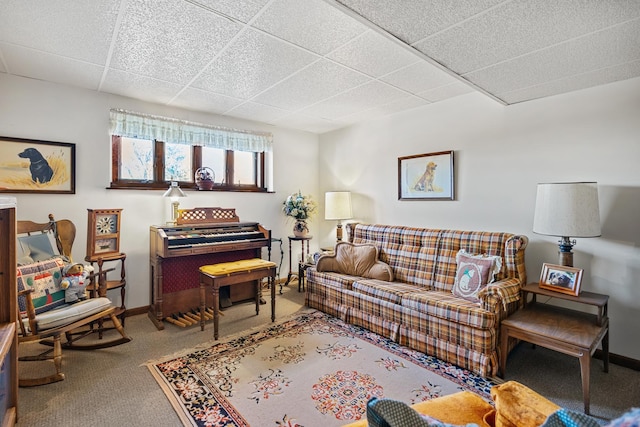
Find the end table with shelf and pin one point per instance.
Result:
(304, 243)
(572, 332)
(120, 283)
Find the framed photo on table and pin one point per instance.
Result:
(426, 176)
(33, 166)
(560, 278)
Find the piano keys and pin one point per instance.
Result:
(201, 236)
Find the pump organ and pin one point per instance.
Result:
(201, 236)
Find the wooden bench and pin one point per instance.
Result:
(232, 273)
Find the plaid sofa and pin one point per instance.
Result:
(418, 308)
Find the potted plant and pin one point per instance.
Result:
(301, 208)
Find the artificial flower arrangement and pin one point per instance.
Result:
(299, 207)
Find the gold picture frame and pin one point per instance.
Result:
(426, 176)
(561, 278)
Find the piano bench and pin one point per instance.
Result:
(232, 273)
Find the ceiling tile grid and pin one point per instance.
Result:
(312, 24)
(78, 30)
(320, 80)
(170, 40)
(373, 54)
(252, 64)
(363, 97)
(319, 65)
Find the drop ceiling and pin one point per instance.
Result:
(320, 65)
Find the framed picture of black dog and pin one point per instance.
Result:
(33, 166)
(426, 176)
(560, 278)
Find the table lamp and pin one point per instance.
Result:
(174, 193)
(337, 206)
(567, 209)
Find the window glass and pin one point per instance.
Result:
(177, 160)
(244, 172)
(136, 159)
(214, 158)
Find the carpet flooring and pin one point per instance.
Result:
(114, 387)
(310, 370)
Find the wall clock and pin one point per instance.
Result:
(103, 233)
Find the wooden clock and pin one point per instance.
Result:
(103, 233)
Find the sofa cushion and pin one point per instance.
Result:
(355, 260)
(388, 291)
(473, 273)
(72, 312)
(445, 305)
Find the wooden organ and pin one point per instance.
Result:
(201, 236)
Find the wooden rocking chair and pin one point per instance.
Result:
(44, 316)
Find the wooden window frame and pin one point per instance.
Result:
(159, 183)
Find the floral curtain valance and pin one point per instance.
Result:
(146, 126)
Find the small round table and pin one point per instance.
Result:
(303, 242)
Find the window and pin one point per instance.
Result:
(148, 152)
(143, 163)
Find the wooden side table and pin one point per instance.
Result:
(304, 242)
(571, 332)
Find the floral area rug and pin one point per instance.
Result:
(312, 370)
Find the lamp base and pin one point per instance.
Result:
(565, 256)
(339, 232)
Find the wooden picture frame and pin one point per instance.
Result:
(560, 278)
(426, 176)
(34, 166)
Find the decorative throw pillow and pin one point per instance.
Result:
(393, 413)
(473, 273)
(356, 260)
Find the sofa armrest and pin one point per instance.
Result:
(504, 291)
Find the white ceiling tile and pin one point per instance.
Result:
(361, 98)
(419, 77)
(195, 99)
(404, 104)
(135, 86)
(252, 64)
(258, 112)
(242, 10)
(598, 50)
(576, 82)
(43, 66)
(309, 124)
(78, 30)
(445, 92)
(373, 54)
(170, 40)
(522, 26)
(412, 20)
(312, 24)
(319, 81)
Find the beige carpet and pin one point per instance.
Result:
(311, 370)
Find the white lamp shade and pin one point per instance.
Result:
(174, 191)
(567, 210)
(337, 205)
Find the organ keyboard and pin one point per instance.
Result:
(201, 236)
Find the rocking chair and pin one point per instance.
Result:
(43, 251)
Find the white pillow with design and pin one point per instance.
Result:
(473, 273)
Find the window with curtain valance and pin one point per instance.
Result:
(175, 131)
(149, 151)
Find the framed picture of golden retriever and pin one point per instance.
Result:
(426, 176)
(560, 278)
(33, 166)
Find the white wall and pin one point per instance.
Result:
(38, 110)
(501, 153)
